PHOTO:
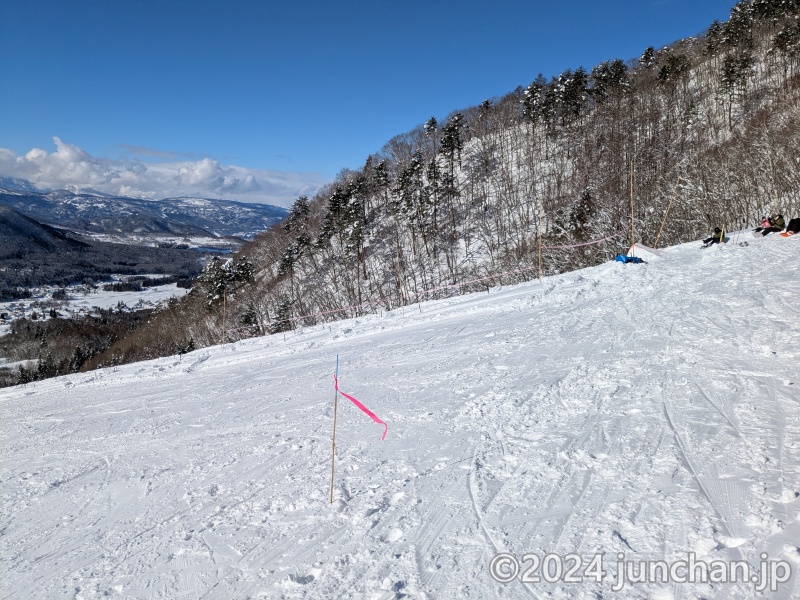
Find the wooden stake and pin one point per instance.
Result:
(664, 222)
(333, 439)
(224, 308)
(633, 231)
(539, 239)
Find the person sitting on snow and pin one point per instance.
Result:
(777, 224)
(765, 223)
(793, 227)
(716, 238)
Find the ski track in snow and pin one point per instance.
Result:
(651, 410)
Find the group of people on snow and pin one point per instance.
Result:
(774, 224)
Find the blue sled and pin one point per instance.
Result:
(628, 259)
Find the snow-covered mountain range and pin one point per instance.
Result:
(621, 415)
(95, 213)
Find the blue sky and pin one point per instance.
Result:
(264, 100)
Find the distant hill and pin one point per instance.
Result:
(34, 254)
(100, 214)
(22, 235)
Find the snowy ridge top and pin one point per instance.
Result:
(650, 410)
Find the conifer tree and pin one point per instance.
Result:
(674, 67)
(714, 40)
(222, 278)
(532, 101)
(573, 87)
(298, 215)
(786, 43)
(431, 127)
(648, 58)
(608, 78)
(737, 32)
(734, 74)
(283, 317)
(452, 143)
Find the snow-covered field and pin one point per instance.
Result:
(643, 412)
(79, 302)
(208, 244)
(146, 298)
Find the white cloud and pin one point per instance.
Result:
(70, 166)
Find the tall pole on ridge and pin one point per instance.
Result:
(539, 237)
(664, 222)
(633, 231)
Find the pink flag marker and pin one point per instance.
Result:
(364, 409)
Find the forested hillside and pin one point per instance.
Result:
(660, 148)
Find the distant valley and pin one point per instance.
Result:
(33, 254)
(79, 269)
(140, 221)
(61, 237)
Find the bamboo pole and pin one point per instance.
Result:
(539, 235)
(633, 230)
(333, 439)
(664, 222)
(540, 248)
(224, 309)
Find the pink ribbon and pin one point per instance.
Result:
(369, 413)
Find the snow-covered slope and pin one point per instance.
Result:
(649, 412)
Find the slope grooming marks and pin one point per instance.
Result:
(649, 413)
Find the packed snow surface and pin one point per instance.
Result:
(632, 412)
